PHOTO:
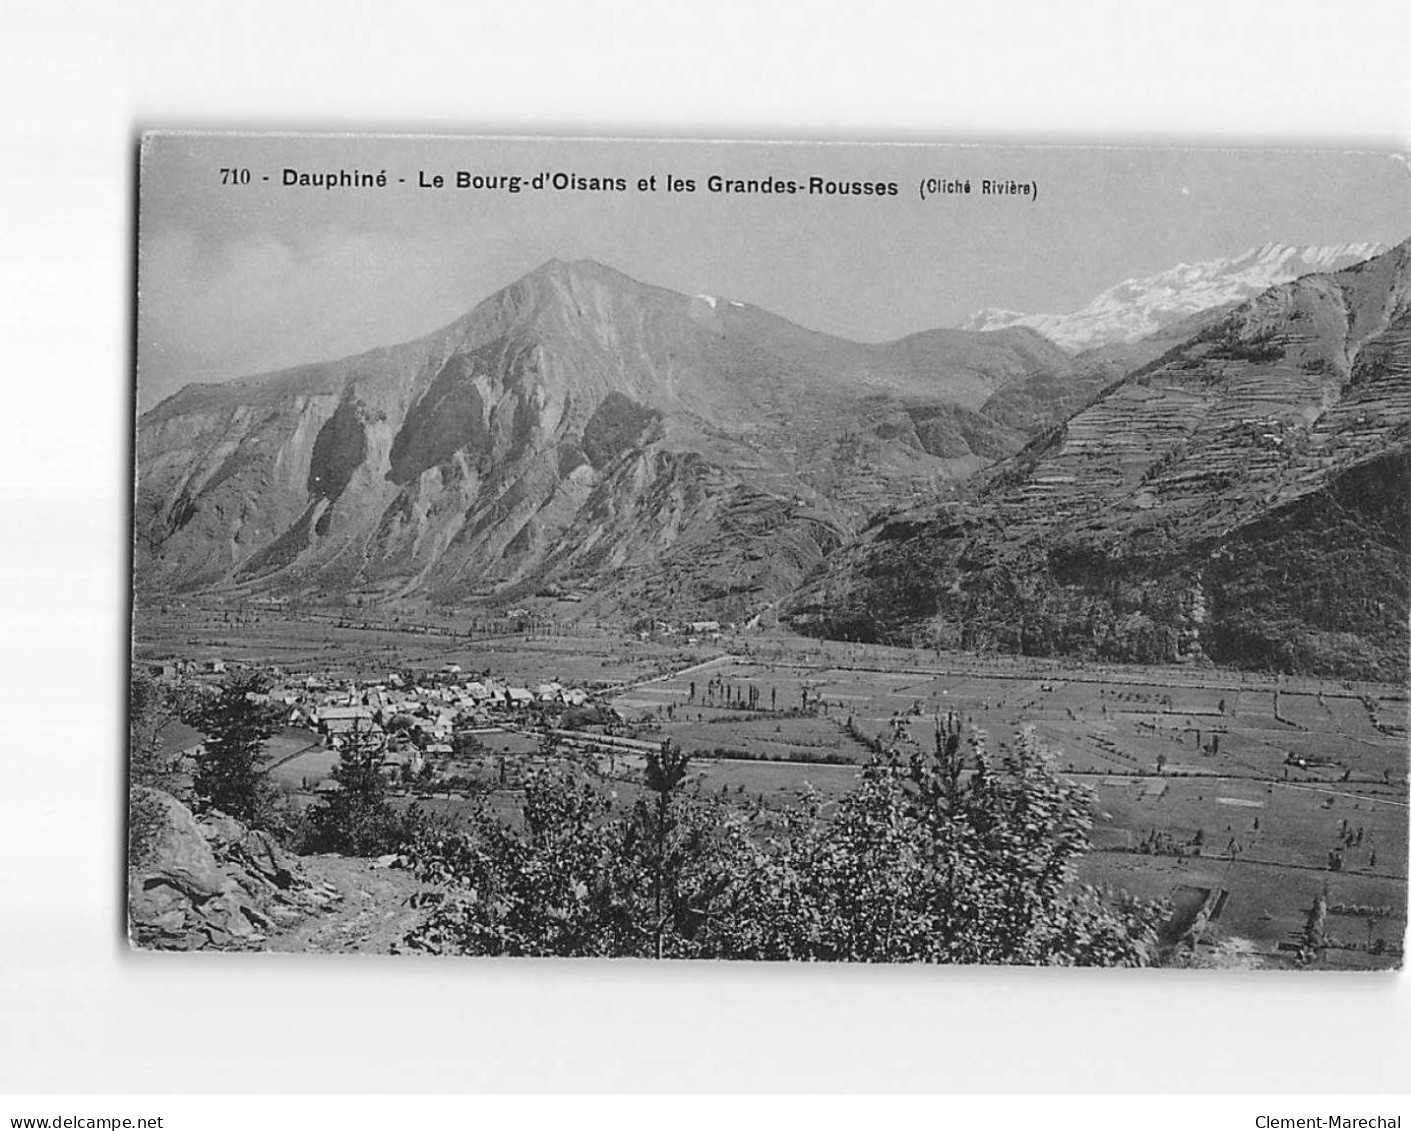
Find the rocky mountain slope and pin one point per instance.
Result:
(1046, 399)
(1136, 308)
(1242, 498)
(579, 428)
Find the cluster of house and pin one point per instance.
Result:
(425, 715)
(175, 669)
(407, 719)
(695, 631)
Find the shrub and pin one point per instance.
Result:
(146, 817)
(945, 856)
(356, 819)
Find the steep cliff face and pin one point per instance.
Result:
(1243, 497)
(576, 426)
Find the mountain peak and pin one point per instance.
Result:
(581, 269)
(557, 266)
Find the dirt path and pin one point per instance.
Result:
(666, 677)
(372, 916)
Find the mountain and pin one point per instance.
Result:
(578, 429)
(1046, 398)
(1240, 499)
(1136, 308)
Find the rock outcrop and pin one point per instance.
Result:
(210, 883)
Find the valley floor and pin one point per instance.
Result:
(1238, 795)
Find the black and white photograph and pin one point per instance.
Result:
(705, 565)
(770, 552)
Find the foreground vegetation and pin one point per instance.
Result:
(941, 855)
(947, 856)
(1253, 789)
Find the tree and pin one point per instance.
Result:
(356, 819)
(539, 889)
(229, 772)
(1315, 927)
(940, 857)
(466, 745)
(577, 876)
(669, 847)
(152, 708)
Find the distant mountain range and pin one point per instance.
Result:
(1136, 308)
(1231, 487)
(1242, 498)
(577, 430)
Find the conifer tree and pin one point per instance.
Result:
(356, 819)
(229, 770)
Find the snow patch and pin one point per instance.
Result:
(1135, 307)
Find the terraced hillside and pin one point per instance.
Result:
(1242, 498)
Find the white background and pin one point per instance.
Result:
(79, 1014)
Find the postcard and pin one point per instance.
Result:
(771, 551)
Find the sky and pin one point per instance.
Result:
(236, 279)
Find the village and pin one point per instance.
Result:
(441, 730)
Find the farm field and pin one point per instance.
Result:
(1244, 794)
(355, 648)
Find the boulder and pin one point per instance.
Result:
(211, 883)
(220, 829)
(177, 852)
(261, 853)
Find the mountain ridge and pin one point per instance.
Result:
(575, 424)
(1135, 308)
(1125, 532)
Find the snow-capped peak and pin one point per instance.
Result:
(1134, 308)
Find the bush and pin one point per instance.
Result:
(152, 708)
(146, 817)
(356, 819)
(942, 857)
